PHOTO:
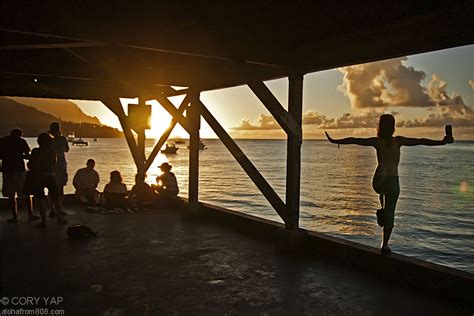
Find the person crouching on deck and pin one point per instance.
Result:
(385, 181)
(43, 164)
(141, 194)
(115, 192)
(85, 182)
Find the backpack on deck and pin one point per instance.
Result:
(80, 231)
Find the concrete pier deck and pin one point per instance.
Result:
(161, 263)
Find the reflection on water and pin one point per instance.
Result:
(434, 217)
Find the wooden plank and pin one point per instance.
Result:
(194, 121)
(262, 184)
(272, 104)
(168, 106)
(165, 135)
(52, 45)
(116, 107)
(293, 161)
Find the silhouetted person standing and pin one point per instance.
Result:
(60, 147)
(43, 165)
(385, 180)
(14, 150)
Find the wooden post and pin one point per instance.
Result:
(141, 150)
(293, 162)
(194, 122)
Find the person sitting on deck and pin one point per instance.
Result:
(167, 184)
(13, 151)
(141, 194)
(85, 182)
(43, 165)
(115, 192)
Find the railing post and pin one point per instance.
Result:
(293, 162)
(194, 122)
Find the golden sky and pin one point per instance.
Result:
(424, 92)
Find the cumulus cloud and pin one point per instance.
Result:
(383, 84)
(439, 95)
(457, 115)
(471, 83)
(265, 122)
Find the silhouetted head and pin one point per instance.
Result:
(45, 140)
(90, 163)
(16, 132)
(115, 177)
(55, 128)
(140, 177)
(165, 167)
(386, 126)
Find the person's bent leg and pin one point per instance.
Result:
(41, 201)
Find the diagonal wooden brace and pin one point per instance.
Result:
(165, 135)
(115, 106)
(168, 106)
(245, 163)
(284, 119)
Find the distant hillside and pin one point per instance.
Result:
(66, 110)
(34, 122)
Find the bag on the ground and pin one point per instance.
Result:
(80, 231)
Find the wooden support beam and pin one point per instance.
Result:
(115, 106)
(165, 135)
(52, 45)
(194, 122)
(293, 161)
(245, 163)
(168, 106)
(285, 120)
(141, 138)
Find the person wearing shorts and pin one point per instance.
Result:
(385, 181)
(14, 150)
(43, 165)
(60, 147)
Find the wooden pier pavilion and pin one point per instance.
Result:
(104, 50)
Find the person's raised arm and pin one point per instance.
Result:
(353, 141)
(406, 141)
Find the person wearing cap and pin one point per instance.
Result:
(167, 184)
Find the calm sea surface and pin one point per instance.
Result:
(434, 217)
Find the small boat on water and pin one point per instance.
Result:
(201, 145)
(178, 141)
(71, 137)
(80, 142)
(170, 149)
(95, 139)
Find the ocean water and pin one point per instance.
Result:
(434, 218)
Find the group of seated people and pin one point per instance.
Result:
(116, 195)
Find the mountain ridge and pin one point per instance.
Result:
(33, 122)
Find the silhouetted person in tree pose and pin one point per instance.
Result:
(385, 180)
